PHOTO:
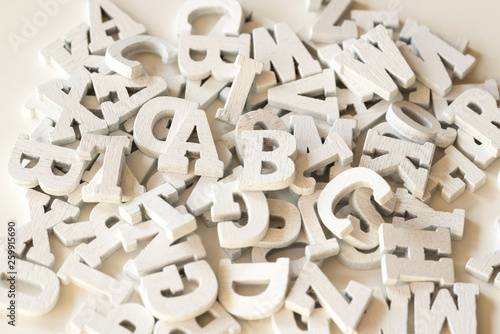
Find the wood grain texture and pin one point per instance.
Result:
(118, 54)
(299, 96)
(43, 159)
(345, 314)
(179, 306)
(412, 213)
(225, 210)
(460, 315)
(374, 71)
(73, 271)
(428, 66)
(101, 228)
(119, 21)
(418, 125)
(78, 58)
(234, 17)
(480, 126)
(443, 175)
(65, 97)
(212, 64)
(342, 185)
(415, 267)
(410, 161)
(235, 104)
(267, 170)
(222, 322)
(260, 306)
(383, 318)
(91, 319)
(156, 204)
(282, 51)
(30, 274)
(325, 28)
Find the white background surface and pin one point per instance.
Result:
(21, 71)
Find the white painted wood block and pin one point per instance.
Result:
(347, 129)
(462, 112)
(30, 274)
(281, 51)
(425, 58)
(141, 165)
(157, 205)
(414, 214)
(225, 209)
(344, 184)
(42, 131)
(365, 235)
(180, 181)
(443, 175)
(484, 266)
(260, 255)
(374, 69)
(73, 271)
(283, 236)
(326, 55)
(118, 21)
(388, 156)
(440, 103)
(41, 174)
(65, 97)
(222, 322)
(346, 314)
(418, 125)
(204, 91)
(267, 170)
(325, 28)
(355, 259)
(119, 53)
(121, 98)
(107, 187)
(36, 232)
(299, 96)
(411, 26)
(91, 320)
(263, 305)
(383, 318)
(233, 14)
(101, 229)
(419, 94)
(160, 253)
(478, 153)
(213, 47)
(320, 246)
(334, 149)
(178, 305)
(70, 54)
(201, 198)
(150, 114)
(285, 322)
(190, 137)
(131, 235)
(460, 315)
(250, 121)
(416, 244)
(306, 134)
(35, 107)
(235, 104)
(368, 19)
